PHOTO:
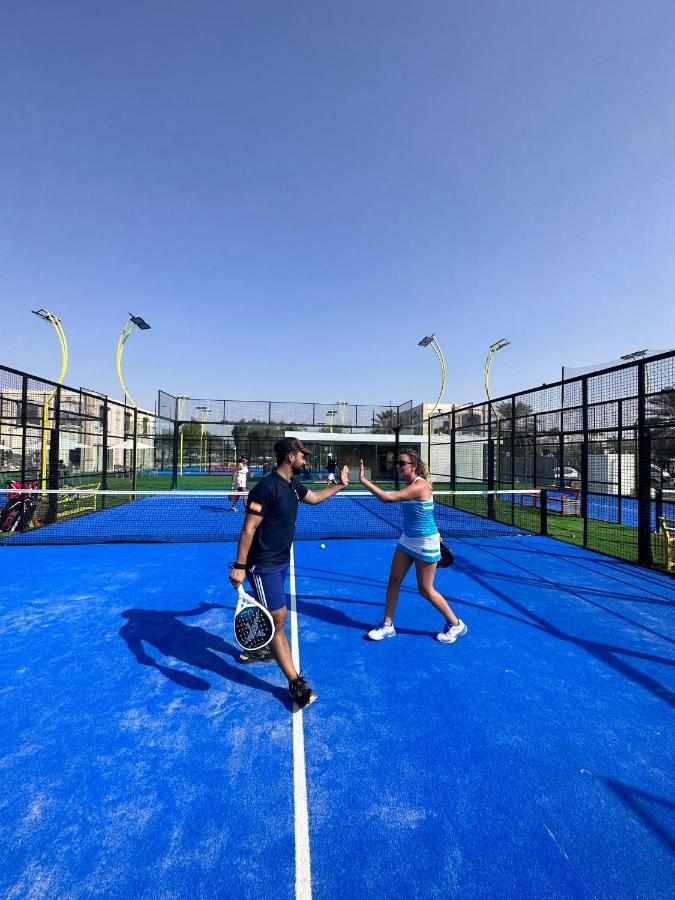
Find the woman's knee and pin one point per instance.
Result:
(426, 590)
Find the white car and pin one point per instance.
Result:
(568, 473)
(659, 474)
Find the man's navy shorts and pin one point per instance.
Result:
(268, 585)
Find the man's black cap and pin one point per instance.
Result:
(290, 445)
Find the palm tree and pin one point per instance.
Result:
(385, 422)
(661, 408)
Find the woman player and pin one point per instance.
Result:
(239, 477)
(419, 544)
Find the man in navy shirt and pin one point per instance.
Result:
(264, 548)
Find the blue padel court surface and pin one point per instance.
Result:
(139, 759)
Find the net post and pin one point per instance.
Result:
(543, 503)
(658, 507)
(397, 449)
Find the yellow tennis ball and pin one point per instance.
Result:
(323, 546)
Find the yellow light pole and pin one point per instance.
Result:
(430, 341)
(330, 415)
(131, 323)
(205, 410)
(494, 348)
(58, 328)
(180, 400)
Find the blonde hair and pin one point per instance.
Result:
(419, 466)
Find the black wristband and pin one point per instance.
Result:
(236, 565)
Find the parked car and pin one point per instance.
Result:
(658, 474)
(569, 474)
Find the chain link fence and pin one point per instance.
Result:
(602, 445)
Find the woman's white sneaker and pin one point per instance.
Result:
(451, 632)
(382, 631)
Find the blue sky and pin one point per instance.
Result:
(293, 194)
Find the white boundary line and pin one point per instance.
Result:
(303, 872)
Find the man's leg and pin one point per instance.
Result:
(270, 590)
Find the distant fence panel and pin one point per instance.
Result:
(602, 443)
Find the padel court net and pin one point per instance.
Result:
(95, 517)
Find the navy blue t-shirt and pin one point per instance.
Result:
(275, 500)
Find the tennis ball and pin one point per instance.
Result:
(323, 546)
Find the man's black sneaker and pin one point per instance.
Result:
(253, 656)
(301, 693)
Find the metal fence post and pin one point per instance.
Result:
(24, 426)
(133, 450)
(584, 458)
(54, 453)
(543, 501)
(453, 461)
(397, 438)
(645, 557)
(104, 463)
(490, 467)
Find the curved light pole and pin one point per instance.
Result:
(58, 328)
(494, 348)
(131, 323)
(204, 410)
(430, 341)
(180, 402)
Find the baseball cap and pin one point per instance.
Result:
(291, 445)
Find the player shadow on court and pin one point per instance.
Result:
(189, 644)
(615, 657)
(333, 616)
(648, 807)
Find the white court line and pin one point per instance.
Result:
(303, 873)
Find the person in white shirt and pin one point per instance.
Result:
(239, 477)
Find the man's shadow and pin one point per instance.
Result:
(190, 644)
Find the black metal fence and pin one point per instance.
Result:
(59, 436)
(603, 444)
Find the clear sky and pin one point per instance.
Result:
(292, 194)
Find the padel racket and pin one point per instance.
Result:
(253, 624)
(447, 558)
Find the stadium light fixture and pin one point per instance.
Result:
(637, 354)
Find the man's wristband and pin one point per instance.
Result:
(240, 566)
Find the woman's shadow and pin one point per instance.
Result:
(190, 644)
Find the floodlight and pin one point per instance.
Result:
(139, 322)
